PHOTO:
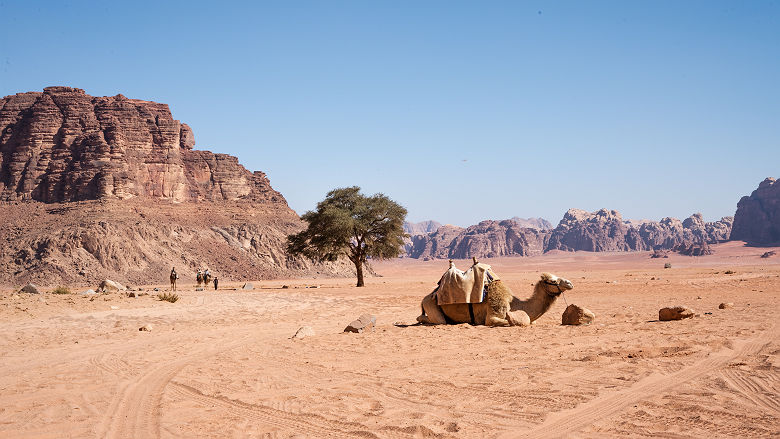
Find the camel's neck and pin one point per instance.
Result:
(536, 305)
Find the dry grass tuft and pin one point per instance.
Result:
(61, 290)
(169, 297)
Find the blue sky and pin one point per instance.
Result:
(460, 111)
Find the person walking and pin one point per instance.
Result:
(216, 282)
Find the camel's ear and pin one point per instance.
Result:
(547, 277)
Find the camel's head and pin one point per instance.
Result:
(555, 285)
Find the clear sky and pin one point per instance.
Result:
(460, 111)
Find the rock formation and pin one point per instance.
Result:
(64, 145)
(533, 223)
(757, 220)
(421, 228)
(603, 230)
(110, 187)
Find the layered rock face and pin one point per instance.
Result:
(533, 223)
(603, 230)
(64, 145)
(757, 220)
(421, 228)
(110, 187)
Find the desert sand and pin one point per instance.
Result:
(223, 364)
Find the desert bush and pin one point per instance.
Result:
(61, 290)
(169, 297)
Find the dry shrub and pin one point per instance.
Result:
(169, 297)
(61, 290)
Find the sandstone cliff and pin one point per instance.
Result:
(96, 187)
(757, 220)
(64, 145)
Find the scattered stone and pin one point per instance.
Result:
(147, 327)
(303, 331)
(30, 289)
(659, 254)
(667, 265)
(675, 313)
(729, 272)
(109, 286)
(769, 254)
(364, 323)
(248, 286)
(284, 287)
(726, 305)
(131, 294)
(577, 315)
(114, 307)
(199, 289)
(156, 289)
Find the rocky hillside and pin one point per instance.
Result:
(603, 230)
(757, 220)
(421, 228)
(533, 223)
(96, 187)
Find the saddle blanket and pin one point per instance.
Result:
(468, 286)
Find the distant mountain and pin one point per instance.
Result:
(533, 223)
(421, 228)
(603, 230)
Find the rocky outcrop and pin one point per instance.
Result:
(490, 239)
(110, 187)
(64, 145)
(599, 231)
(757, 220)
(579, 230)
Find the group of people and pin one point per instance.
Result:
(202, 277)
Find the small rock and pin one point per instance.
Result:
(576, 315)
(109, 286)
(248, 286)
(88, 292)
(156, 289)
(769, 254)
(667, 265)
(199, 289)
(147, 327)
(114, 307)
(726, 305)
(303, 331)
(131, 294)
(674, 313)
(284, 287)
(364, 323)
(30, 289)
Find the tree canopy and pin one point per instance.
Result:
(348, 223)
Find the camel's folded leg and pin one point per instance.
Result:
(496, 321)
(431, 311)
(518, 318)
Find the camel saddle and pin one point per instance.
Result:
(468, 286)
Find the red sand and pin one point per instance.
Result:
(222, 364)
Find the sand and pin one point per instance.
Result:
(223, 364)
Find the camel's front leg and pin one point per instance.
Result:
(431, 311)
(518, 318)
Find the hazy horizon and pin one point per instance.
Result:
(459, 111)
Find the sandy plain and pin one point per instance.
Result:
(223, 364)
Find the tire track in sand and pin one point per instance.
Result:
(308, 424)
(135, 410)
(753, 387)
(565, 423)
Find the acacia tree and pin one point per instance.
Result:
(349, 223)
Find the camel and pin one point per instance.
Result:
(199, 278)
(500, 307)
(174, 276)
(206, 278)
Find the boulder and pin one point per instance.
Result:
(248, 286)
(364, 323)
(302, 332)
(726, 305)
(109, 286)
(577, 315)
(147, 327)
(675, 313)
(30, 289)
(88, 292)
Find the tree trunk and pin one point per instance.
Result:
(359, 268)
